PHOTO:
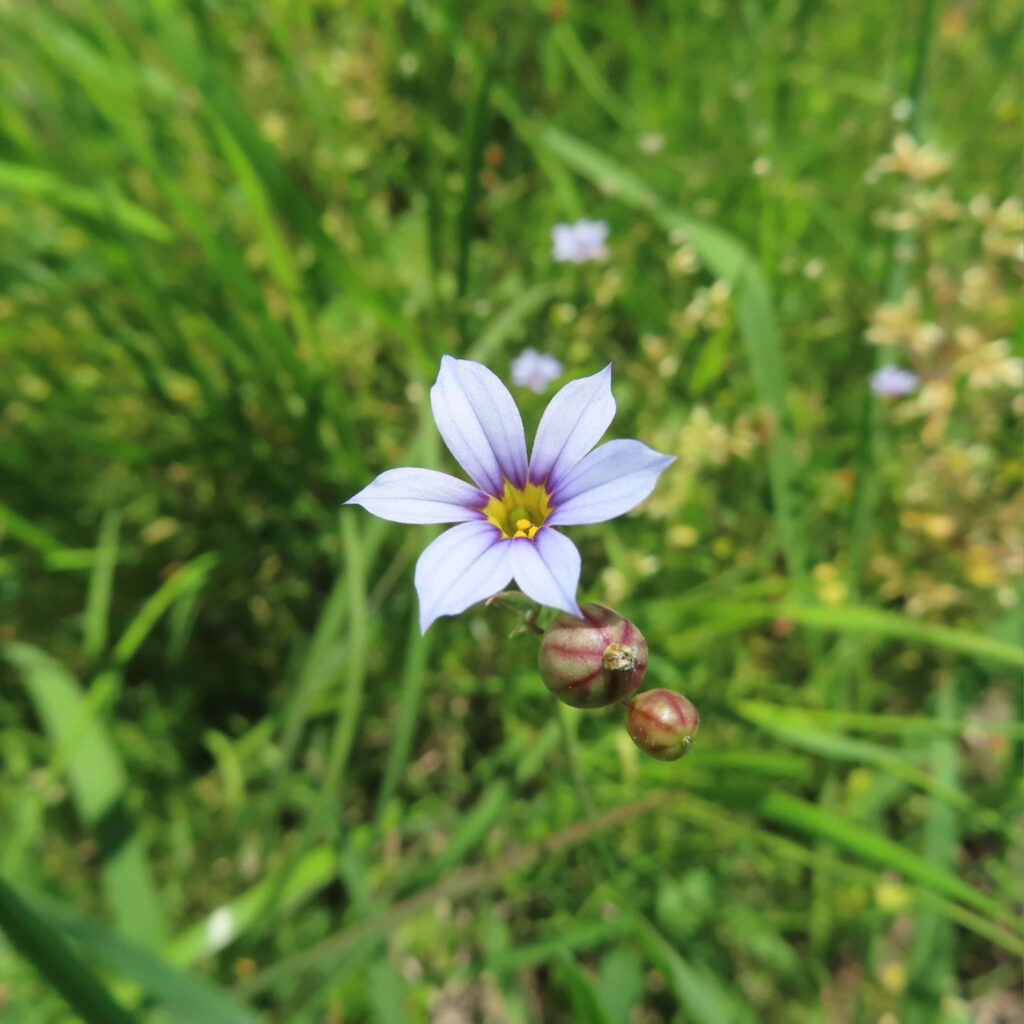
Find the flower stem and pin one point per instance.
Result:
(527, 620)
(583, 792)
(530, 621)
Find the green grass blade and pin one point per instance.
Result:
(507, 323)
(234, 919)
(356, 653)
(101, 582)
(474, 137)
(706, 998)
(189, 579)
(584, 998)
(876, 622)
(99, 785)
(837, 747)
(785, 809)
(42, 945)
(185, 996)
(882, 724)
(705, 815)
(27, 533)
(37, 182)
(386, 990)
(590, 76)
(932, 960)
(410, 693)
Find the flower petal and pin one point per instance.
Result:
(547, 569)
(571, 425)
(420, 496)
(464, 565)
(608, 482)
(479, 421)
(592, 234)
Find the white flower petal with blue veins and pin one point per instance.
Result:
(480, 424)
(505, 529)
(574, 421)
(466, 564)
(547, 569)
(420, 496)
(609, 482)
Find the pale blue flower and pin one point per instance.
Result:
(508, 516)
(894, 382)
(577, 243)
(535, 370)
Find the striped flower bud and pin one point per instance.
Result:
(594, 661)
(662, 723)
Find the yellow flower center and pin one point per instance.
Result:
(520, 511)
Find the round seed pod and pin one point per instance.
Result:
(662, 723)
(594, 661)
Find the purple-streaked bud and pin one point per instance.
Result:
(594, 661)
(662, 723)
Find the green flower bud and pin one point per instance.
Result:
(594, 661)
(662, 723)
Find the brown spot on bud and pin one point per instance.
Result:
(619, 658)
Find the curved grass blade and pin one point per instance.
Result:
(98, 783)
(101, 581)
(785, 809)
(189, 998)
(187, 580)
(44, 947)
(876, 622)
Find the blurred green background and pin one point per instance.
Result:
(236, 239)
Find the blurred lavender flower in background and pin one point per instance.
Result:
(535, 370)
(894, 382)
(579, 242)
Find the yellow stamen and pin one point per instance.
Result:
(520, 512)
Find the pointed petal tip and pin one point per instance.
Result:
(480, 423)
(420, 496)
(573, 422)
(609, 482)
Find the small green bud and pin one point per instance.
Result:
(662, 723)
(594, 661)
